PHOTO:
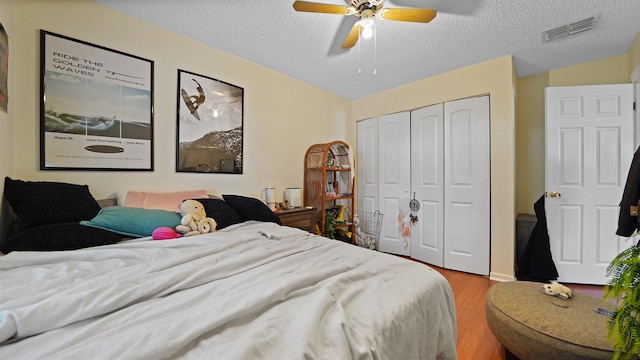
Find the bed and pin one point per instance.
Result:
(252, 290)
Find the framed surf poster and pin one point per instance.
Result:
(96, 107)
(210, 125)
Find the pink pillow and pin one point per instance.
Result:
(158, 200)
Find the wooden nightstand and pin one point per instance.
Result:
(301, 218)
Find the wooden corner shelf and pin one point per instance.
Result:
(328, 182)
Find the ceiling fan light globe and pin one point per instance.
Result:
(367, 32)
(366, 23)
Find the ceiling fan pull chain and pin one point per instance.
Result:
(359, 57)
(375, 50)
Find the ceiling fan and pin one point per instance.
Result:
(366, 10)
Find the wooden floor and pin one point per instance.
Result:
(475, 339)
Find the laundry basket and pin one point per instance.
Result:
(367, 228)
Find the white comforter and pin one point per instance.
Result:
(234, 294)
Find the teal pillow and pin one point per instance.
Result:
(133, 221)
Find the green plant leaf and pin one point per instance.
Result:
(624, 325)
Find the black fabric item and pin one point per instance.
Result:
(221, 212)
(252, 208)
(537, 263)
(627, 223)
(62, 236)
(38, 203)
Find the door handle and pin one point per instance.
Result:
(553, 194)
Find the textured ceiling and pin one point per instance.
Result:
(307, 46)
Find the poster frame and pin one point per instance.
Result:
(96, 107)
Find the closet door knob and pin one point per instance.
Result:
(553, 194)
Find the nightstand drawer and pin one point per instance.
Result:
(302, 218)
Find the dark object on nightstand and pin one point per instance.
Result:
(301, 218)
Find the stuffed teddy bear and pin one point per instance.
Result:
(194, 219)
(557, 289)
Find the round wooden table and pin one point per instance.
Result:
(533, 325)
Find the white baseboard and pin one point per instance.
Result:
(501, 277)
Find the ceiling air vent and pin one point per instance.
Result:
(569, 29)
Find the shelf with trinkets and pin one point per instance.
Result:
(328, 185)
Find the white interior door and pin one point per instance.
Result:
(427, 172)
(368, 165)
(394, 178)
(589, 147)
(467, 180)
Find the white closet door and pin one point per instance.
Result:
(368, 165)
(394, 178)
(427, 173)
(467, 185)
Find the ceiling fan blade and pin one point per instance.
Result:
(352, 38)
(346, 23)
(412, 15)
(307, 6)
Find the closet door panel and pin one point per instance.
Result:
(467, 185)
(368, 165)
(427, 159)
(394, 178)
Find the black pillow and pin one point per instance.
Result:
(39, 203)
(62, 236)
(252, 208)
(221, 212)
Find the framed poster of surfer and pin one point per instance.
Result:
(210, 125)
(96, 107)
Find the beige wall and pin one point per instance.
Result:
(612, 70)
(496, 78)
(282, 116)
(634, 60)
(530, 141)
(530, 144)
(6, 119)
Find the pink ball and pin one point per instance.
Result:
(164, 233)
